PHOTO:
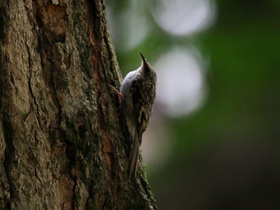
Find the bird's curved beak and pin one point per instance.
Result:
(144, 62)
(142, 56)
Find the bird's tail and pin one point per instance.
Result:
(134, 153)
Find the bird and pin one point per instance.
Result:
(138, 92)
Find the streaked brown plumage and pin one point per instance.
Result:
(138, 90)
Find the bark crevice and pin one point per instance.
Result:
(37, 114)
(8, 159)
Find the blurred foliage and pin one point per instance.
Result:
(227, 154)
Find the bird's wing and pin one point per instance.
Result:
(142, 108)
(140, 118)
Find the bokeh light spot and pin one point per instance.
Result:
(184, 17)
(181, 87)
(130, 28)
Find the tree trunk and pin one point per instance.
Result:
(63, 144)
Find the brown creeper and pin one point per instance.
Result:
(138, 91)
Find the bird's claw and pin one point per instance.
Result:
(118, 93)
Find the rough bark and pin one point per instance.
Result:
(63, 144)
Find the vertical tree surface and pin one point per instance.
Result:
(63, 144)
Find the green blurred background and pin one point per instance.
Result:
(213, 140)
